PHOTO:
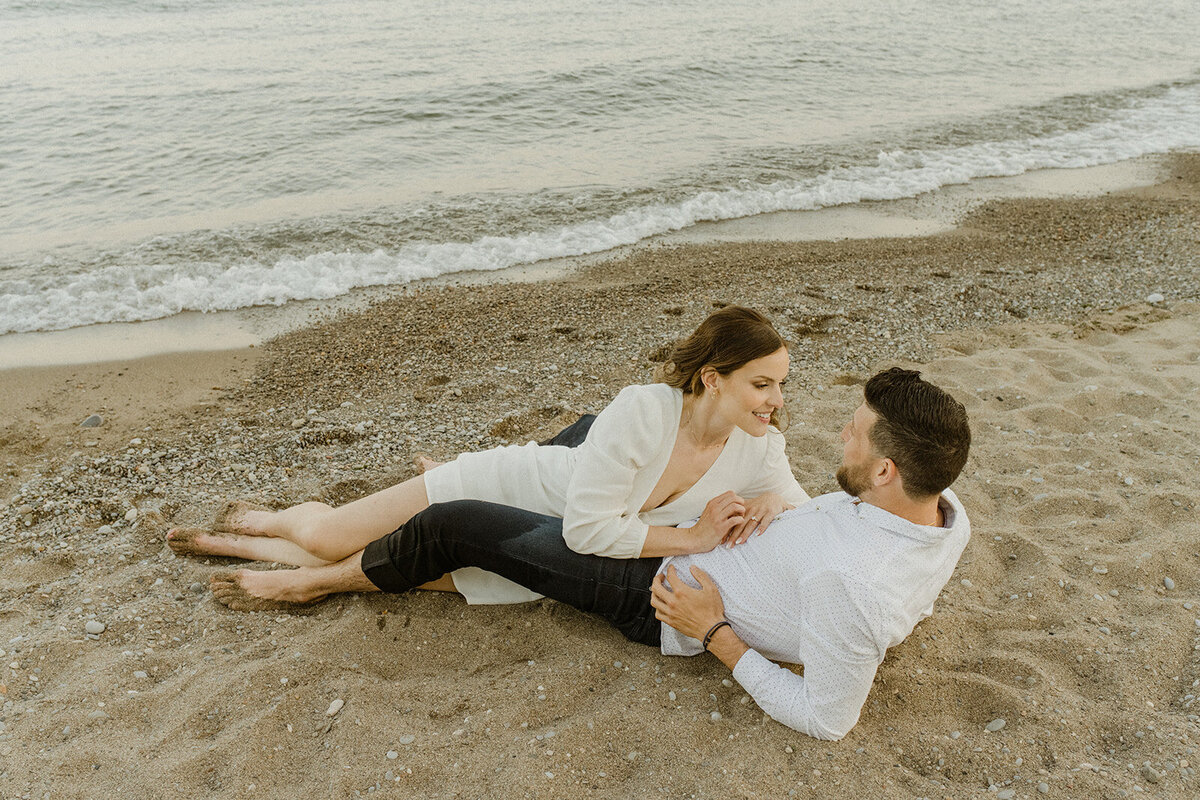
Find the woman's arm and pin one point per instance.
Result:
(626, 437)
(722, 515)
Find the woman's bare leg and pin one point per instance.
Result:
(198, 542)
(331, 534)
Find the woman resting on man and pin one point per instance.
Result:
(702, 443)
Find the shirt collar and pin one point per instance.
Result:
(951, 510)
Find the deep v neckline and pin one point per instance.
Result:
(667, 463)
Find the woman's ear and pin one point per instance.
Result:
(710, 378)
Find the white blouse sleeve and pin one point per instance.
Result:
(625, 437)
(826, 701)
(775, 475)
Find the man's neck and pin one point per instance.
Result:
(926, 511)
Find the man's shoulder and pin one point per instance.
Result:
(828, 503)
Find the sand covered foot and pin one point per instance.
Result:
(250, 590)
(200, 542)
(424, 463)
(241, 516)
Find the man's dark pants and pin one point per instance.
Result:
(524, 547)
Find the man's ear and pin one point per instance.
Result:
(885, 472)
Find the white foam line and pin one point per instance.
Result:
(131, 293)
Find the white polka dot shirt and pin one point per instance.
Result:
(830, 585)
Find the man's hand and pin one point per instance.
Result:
(690, 611)
(693, 612)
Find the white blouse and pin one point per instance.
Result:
(625, 455)
(600, 487)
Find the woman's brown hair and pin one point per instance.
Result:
(726, 341)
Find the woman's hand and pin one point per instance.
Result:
(759, 513)
(722, 517)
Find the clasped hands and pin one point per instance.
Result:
(730, 519)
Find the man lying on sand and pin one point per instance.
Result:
(831, 585)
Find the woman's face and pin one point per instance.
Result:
(750, 394)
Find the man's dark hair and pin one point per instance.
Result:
(920, 427)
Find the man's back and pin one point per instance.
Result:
(831, 585)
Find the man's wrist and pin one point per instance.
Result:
(711, 631)
(726, 645)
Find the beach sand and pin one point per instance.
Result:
(1074, 615)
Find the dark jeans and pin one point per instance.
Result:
(524, 547)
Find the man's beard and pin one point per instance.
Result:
(853, 480)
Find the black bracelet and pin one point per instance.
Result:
(708, 636)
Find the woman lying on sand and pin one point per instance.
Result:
(699, 444)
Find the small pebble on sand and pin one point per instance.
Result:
(995, 725)
(1168, 583)
(95, 627)
(335, 707)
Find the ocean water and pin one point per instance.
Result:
(157, 157)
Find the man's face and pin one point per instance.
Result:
(858, 457)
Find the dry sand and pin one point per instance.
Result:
(1081, 490)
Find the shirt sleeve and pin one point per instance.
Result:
(776, 476)
(624, 438)
(839, 667)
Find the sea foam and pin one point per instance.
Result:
(129, 293)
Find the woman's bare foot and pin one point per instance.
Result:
(242, 517)
(424, 463)
(198, 542)
(251, 590)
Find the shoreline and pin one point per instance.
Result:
(928, 214)
(1059, 619)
